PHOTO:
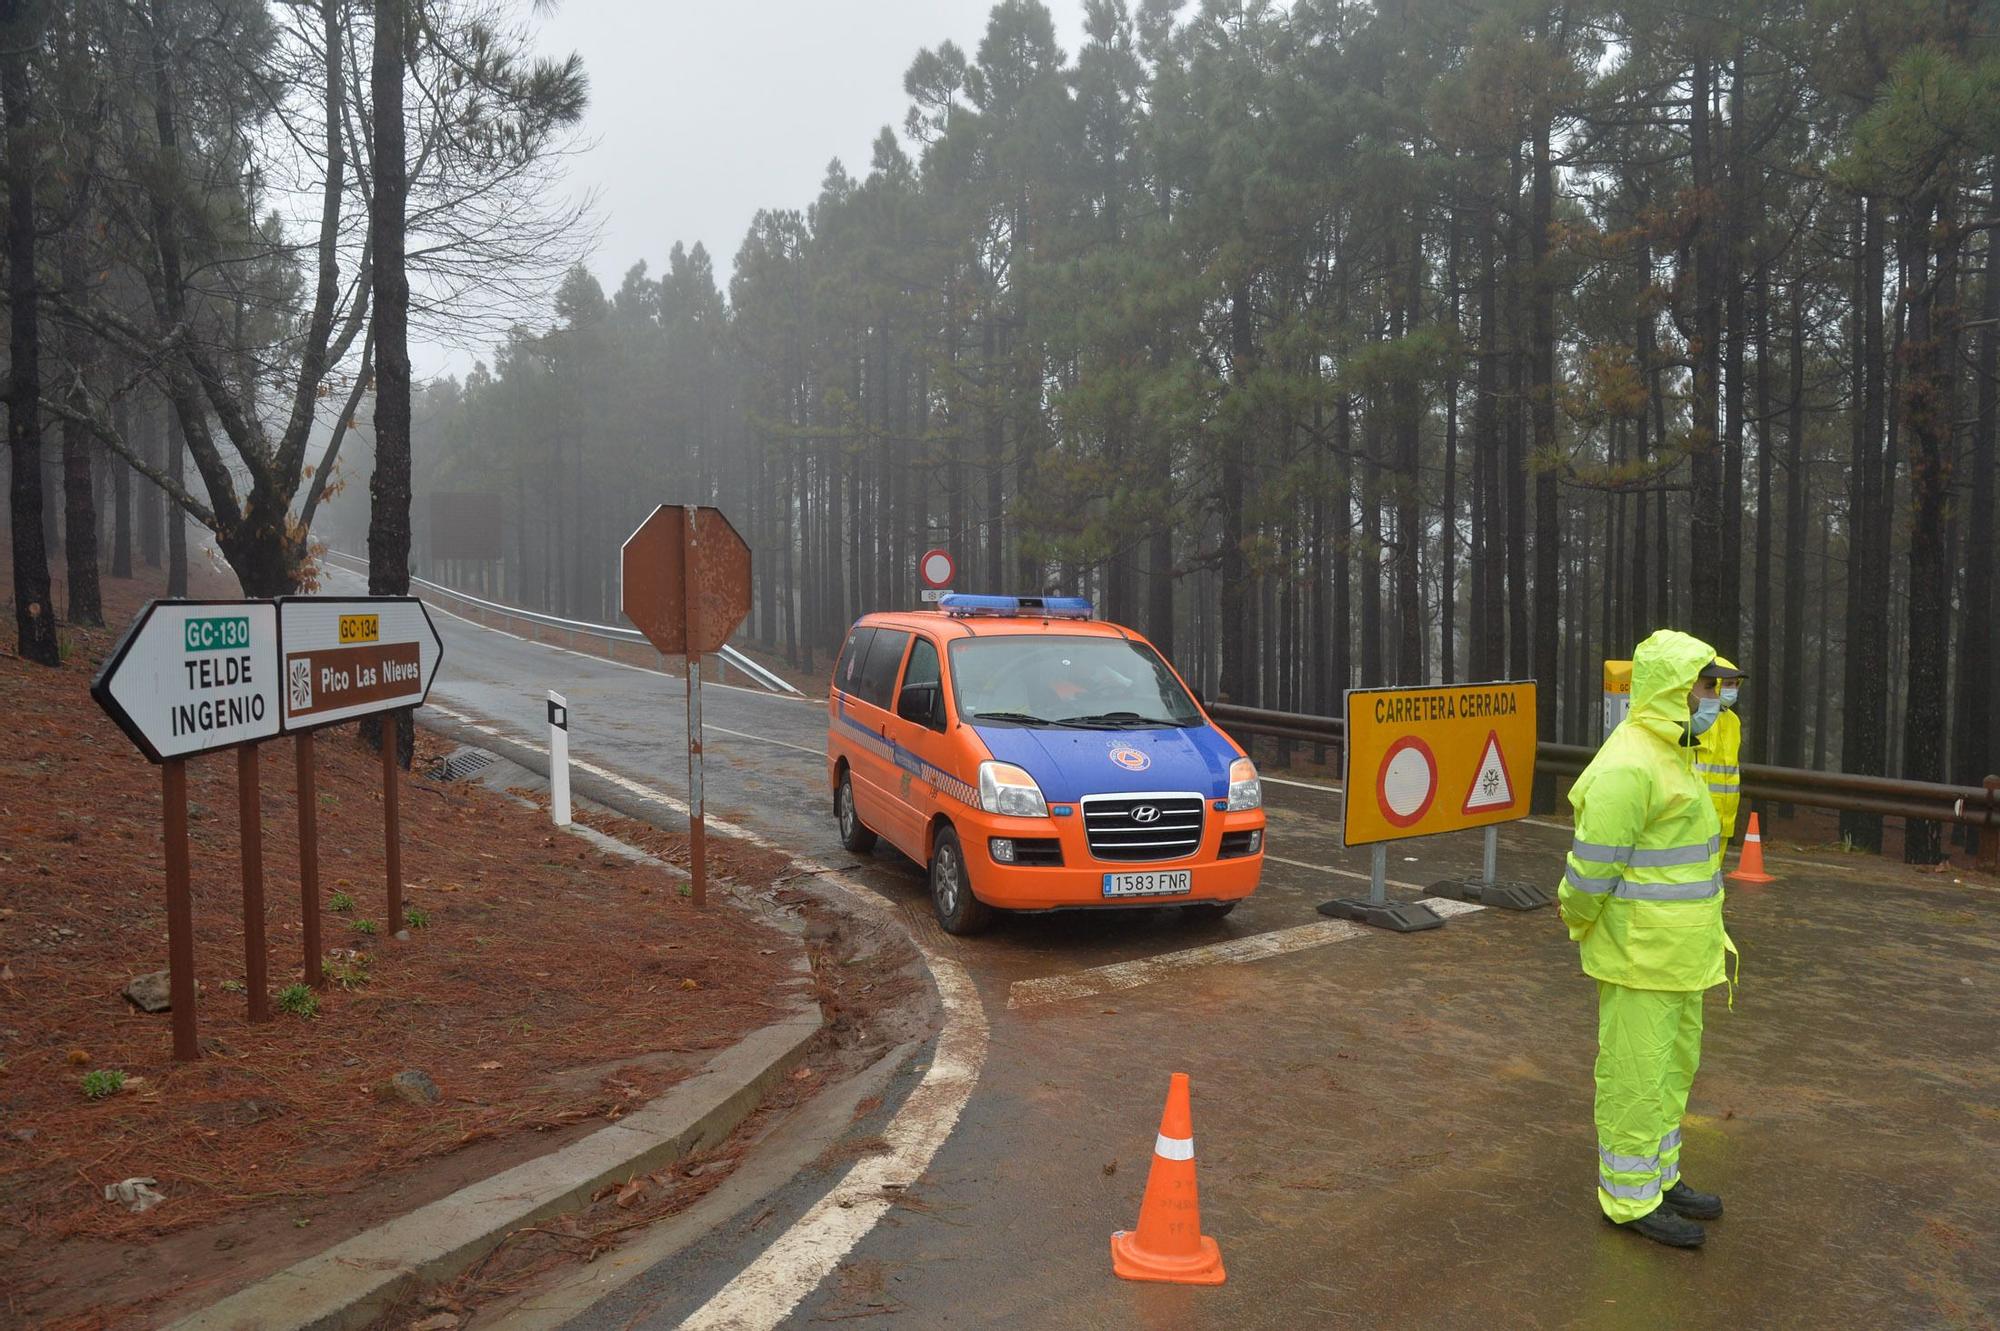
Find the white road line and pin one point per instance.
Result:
(707, 729)
(1346, 873)
(764, 1293)
(1299, 785)
(1236, 951)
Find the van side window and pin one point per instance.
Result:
(878, 677)
(847, 672)
(923, 669)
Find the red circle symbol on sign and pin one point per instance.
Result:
(936, 568)
(1407, 781)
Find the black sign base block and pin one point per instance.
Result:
(1403, 917)
(1505, 893)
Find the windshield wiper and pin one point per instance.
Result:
(1020, 718)
(1125, 720)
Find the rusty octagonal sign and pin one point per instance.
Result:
(678, 549)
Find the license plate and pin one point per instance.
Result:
(1161, 883)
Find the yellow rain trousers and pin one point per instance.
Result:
(1648, 1046)
(1642, 896)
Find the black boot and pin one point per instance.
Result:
(1665, 1225)
(1694, 1205)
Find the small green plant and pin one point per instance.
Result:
(416, 917)
(234, 987)
(363, 926)
(299, 1000)
(686, 890)
(348, 975)
(102, 1083)
(342, 901)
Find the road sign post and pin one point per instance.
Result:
(308, 791)
(192, 677)
(1422, 761)
(345, 658)
(685, 584)
(250, 821)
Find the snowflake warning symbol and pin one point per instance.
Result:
(1492, 787)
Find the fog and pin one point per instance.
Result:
(700, 114)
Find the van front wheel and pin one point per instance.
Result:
(958, 912)
(853, 835)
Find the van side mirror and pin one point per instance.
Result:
(918, 703)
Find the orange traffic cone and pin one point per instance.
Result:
(1169, 1244)
(1750, 866)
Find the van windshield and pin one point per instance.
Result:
(1089, 683)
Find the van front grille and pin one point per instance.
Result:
(1132, 828)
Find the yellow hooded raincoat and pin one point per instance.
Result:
(1642, 896)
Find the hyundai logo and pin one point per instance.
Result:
(1145, 813)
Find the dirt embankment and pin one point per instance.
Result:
(545, 989)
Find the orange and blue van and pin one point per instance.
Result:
(1036, 758)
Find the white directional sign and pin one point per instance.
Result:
(349, 658)
(191, 676)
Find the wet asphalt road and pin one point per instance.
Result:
(1391, 1130)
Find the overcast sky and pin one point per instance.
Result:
(702, 112)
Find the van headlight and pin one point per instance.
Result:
(1245, 790)
(1006, 789)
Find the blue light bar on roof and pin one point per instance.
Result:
(1045, 607)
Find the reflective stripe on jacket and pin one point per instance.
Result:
(1718, 762)
(1642, 892)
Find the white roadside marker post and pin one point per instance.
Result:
(558, 758)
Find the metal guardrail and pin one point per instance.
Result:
(1890, 797)
(610, 632)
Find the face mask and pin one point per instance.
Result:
(1729, 697)
(1705, 712)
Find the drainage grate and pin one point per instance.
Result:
(462, 763)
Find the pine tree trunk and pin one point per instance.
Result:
(34, 615)
(1789, 686)
(86, 601)
(1448, 530)
(1866, 665)
(389, 486)
(176, 520)
(1762, 714)
(152, 500)
(1973, 725)
(1707, 532)
(1929, 367)
(1236, 682)
(1548, 493)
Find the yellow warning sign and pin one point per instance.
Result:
(1423, 761)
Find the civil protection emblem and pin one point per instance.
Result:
(1131, 759)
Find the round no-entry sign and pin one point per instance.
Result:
(1407, 781)
(936, 569)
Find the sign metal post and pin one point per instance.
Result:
(250, 823)
(392, 824)
(180, 911)
(685, 584)
(697, 815)
(302, 746)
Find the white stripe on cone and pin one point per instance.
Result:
(1173, 1148)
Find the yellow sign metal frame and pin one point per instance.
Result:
(1424, 761)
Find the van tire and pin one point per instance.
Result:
(959, 913)
(1206, 912)
(853, 835)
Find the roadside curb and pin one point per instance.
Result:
(352, 1282)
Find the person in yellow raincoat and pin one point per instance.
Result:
(1642, 896)
(1718, 757)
